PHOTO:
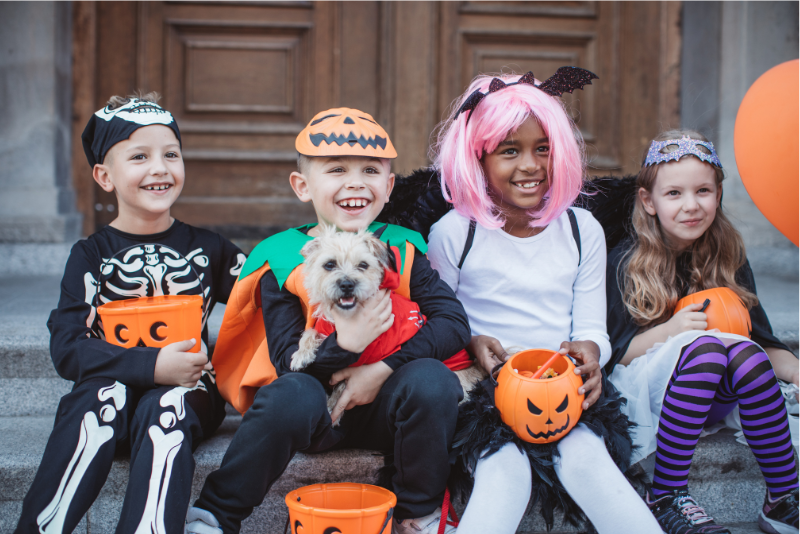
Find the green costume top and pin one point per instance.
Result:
(282, 250)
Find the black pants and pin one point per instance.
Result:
(161, 426)
(413, 416)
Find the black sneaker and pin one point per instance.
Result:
(779, 516)
(678, 513)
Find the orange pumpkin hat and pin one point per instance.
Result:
(344, 132)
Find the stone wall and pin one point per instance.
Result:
(38, 203)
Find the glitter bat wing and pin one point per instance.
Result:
(566, 80)
(468, 105)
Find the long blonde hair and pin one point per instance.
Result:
(650, 283)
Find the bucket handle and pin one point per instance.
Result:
(96, 299)
(389, 515)
(493, 374)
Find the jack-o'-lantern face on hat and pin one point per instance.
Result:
(344, 132)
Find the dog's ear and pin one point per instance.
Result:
(310, 247)
(379, 249)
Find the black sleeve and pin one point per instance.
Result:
(447, 328)
(77, 350)
(231, 260)
(762, 329)
(621, 328)
(284, 323)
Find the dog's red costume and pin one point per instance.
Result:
(408, 319)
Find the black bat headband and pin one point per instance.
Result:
(565, 80)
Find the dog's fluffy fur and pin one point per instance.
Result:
(343, 270)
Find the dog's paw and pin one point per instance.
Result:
(338, 390)
(306, 350)
(301, 359)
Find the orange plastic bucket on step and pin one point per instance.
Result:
(344, 508)
(153, 321)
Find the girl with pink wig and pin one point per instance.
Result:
(530, 272)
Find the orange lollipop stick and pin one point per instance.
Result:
(546, 366)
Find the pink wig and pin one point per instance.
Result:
(461, 146)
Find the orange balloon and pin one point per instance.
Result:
(765, 141)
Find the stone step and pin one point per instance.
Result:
(725, 478)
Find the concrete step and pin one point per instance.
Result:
(725, 478)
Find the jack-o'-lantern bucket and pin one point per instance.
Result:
(342, 508)
(724, 310)
(539, 410)
(153, 321)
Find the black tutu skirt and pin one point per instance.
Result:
(480, 432)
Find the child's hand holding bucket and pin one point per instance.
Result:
(587, 354)
(487, 351)
(176, 366)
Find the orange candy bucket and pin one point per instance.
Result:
(344, 508)
(153, 321)
(539, 410)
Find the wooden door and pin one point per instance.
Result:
(242, 79)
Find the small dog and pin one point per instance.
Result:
(343, 270)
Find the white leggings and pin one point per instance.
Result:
(503, 487)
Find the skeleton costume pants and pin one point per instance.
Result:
(161, 426)
(414, 416)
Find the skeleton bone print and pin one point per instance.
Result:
(148, 271)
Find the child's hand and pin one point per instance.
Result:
(363, 384)
(354, 332)
(177, 367)
(688, 318)
(587, 353)
(487, 351)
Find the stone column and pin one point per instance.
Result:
(727, 46)
(37, 204)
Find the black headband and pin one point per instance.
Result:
(108, 126)
(565, 80)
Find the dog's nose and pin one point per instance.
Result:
(347, 285)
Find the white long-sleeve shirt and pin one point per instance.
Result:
(528, 292)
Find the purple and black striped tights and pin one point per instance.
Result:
(706, 384)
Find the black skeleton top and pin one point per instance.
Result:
(114, 265)
(622, 329)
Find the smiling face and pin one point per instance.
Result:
(347, 192)
(146, 173)
(685, 198)
(517, 172)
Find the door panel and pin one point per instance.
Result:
(242, 79)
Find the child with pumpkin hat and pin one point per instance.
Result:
(157, 403)
(677, 377)
(405, 405)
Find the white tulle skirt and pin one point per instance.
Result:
(644, 383)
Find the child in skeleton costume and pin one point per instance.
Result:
(677, 377)
(159, 403)
(530, 272)
(405, 404)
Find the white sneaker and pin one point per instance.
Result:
(422, 525)
(199, 521)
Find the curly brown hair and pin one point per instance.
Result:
(117, 101)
